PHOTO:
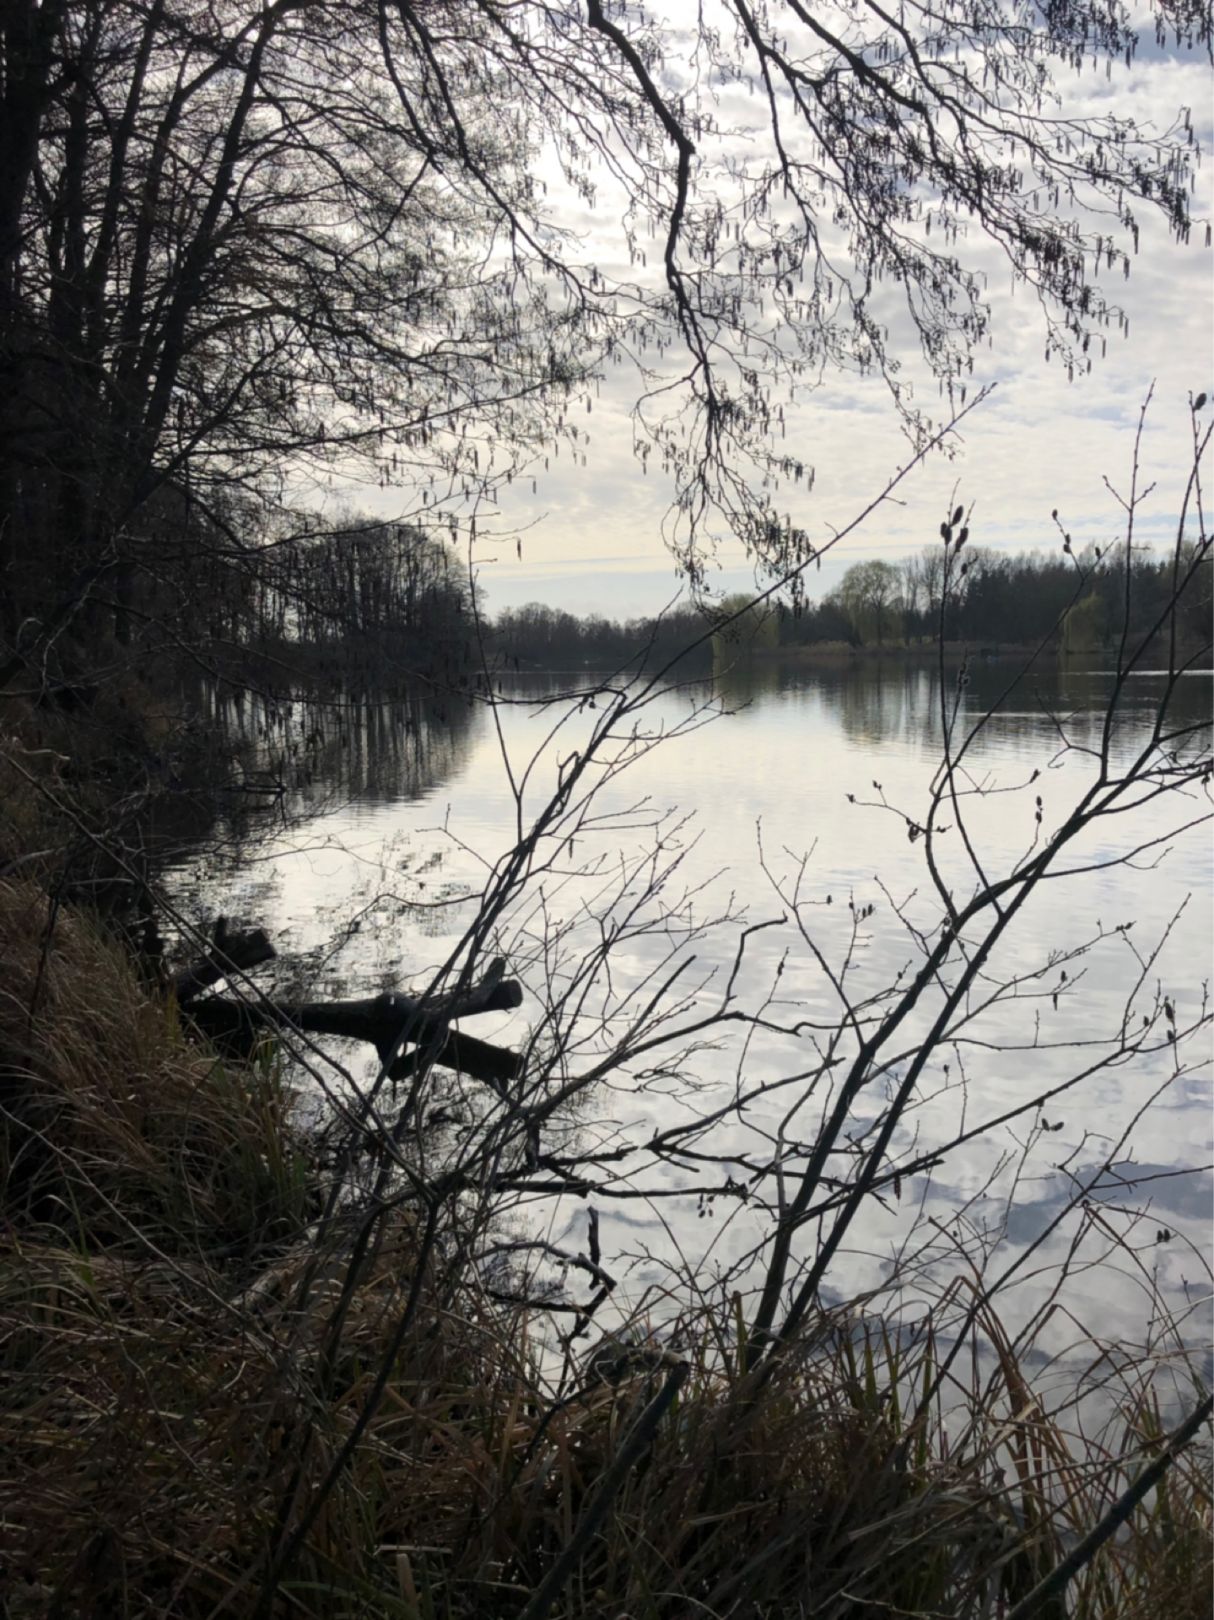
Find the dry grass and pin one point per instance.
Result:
(112, 1129)
(169, 1403)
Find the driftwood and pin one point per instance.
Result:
(381, 1021)
(229, 953)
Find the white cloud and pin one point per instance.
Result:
(593, 532)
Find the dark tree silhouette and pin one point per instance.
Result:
(241, 247)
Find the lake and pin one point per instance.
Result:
(792, 797)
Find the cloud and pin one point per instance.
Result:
(592, 529)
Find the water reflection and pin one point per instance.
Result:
(878, 701)
(421, 792)
(314, 753)
(871, 702)
(296, 780)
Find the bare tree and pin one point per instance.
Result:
(225, 245)
(246, 248)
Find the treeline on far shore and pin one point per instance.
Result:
(986, 600)
(540, 637)
(375, 603)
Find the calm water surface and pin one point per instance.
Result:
(744, 807)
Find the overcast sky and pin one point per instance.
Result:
(591, 536)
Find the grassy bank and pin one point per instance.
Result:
(178, 1405)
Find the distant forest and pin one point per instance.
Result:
(537, 636)
(994, 601)
(368, 600)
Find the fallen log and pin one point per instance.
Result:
(229, 953)
(381, 1021)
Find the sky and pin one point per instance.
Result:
(589, 539)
